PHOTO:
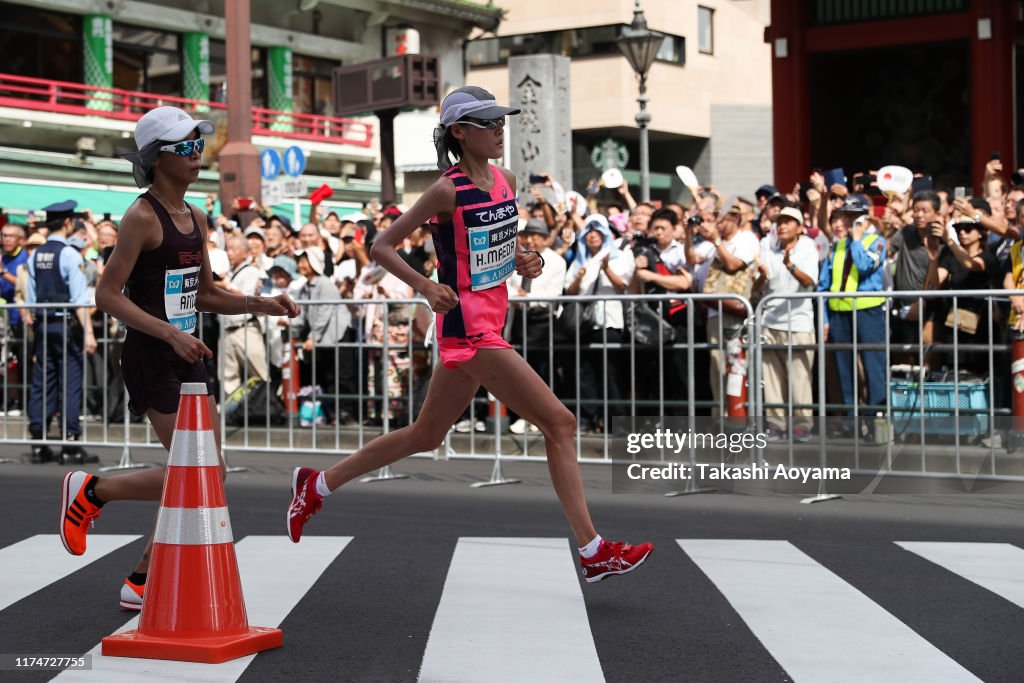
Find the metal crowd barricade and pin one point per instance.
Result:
(275, 428)
(905, 433)
(104, 418)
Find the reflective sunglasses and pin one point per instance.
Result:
(485, 124)
(185, 147)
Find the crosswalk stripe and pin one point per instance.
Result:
(275, 573)
(511, 610)
(998, 567)
(817, 626)
(38, 561)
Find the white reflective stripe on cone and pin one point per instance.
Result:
(193, 526)
(193, 449)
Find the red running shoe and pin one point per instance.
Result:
(613, 558)
(306, 502)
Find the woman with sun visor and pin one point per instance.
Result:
(474, 219)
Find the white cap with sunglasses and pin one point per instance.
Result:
(163, 124)
(169, 124)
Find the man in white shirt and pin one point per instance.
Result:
(243, 336)
(788, 264)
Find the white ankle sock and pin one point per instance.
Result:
(590, 549)
(321, 486)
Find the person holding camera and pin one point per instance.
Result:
(964, 265)
(660, 269)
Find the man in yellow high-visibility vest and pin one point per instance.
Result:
(856, 264)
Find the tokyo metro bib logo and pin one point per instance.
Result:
(180, 289)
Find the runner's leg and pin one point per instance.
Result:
(513, 382)
(148, 484)
(449, 392)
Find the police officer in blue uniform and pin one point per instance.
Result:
(57, 275)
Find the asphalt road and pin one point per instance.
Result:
(739, 588)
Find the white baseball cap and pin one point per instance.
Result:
(167, 123)
(315, 256)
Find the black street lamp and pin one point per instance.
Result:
(640, 46)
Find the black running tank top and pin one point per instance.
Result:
(165, 281)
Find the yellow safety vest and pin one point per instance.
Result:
(852, 281)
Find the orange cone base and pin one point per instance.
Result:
(213, 650)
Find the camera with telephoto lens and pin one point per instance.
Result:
(645, 245)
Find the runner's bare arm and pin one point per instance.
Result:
(438, 200)
(214, 299)
(140, 231)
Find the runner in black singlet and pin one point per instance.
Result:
(157, 280)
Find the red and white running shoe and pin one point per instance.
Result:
(131, 595)
(306, 502)
(614, 558)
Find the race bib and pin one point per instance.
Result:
(180, 288)
(492, 253)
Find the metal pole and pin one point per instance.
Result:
(643, 119)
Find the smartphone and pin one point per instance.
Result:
(106, 216)
(995, 156)
(538, 179)
(244, 203)
(959, 192)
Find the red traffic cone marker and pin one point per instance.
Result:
(193, 608)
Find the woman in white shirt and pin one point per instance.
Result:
(600, 268)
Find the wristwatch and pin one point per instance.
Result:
(977, 216)
(791, 267)
(718, 241)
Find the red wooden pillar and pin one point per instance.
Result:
(992, 88)
(791, 107)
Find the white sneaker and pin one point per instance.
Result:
(465, 426)
(519, 426)
(131, 596)
(14, 412)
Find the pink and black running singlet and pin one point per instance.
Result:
(476, 253)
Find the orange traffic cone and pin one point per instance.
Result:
(193, 610)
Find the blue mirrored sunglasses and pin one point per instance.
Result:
(185, 147)
(486, 124)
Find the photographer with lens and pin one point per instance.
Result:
(661, 268)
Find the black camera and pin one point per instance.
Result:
(695, 221)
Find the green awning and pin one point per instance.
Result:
(17, 199)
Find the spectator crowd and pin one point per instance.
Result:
(842, 237)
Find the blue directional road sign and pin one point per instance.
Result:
(294, 161)
(270, 164)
